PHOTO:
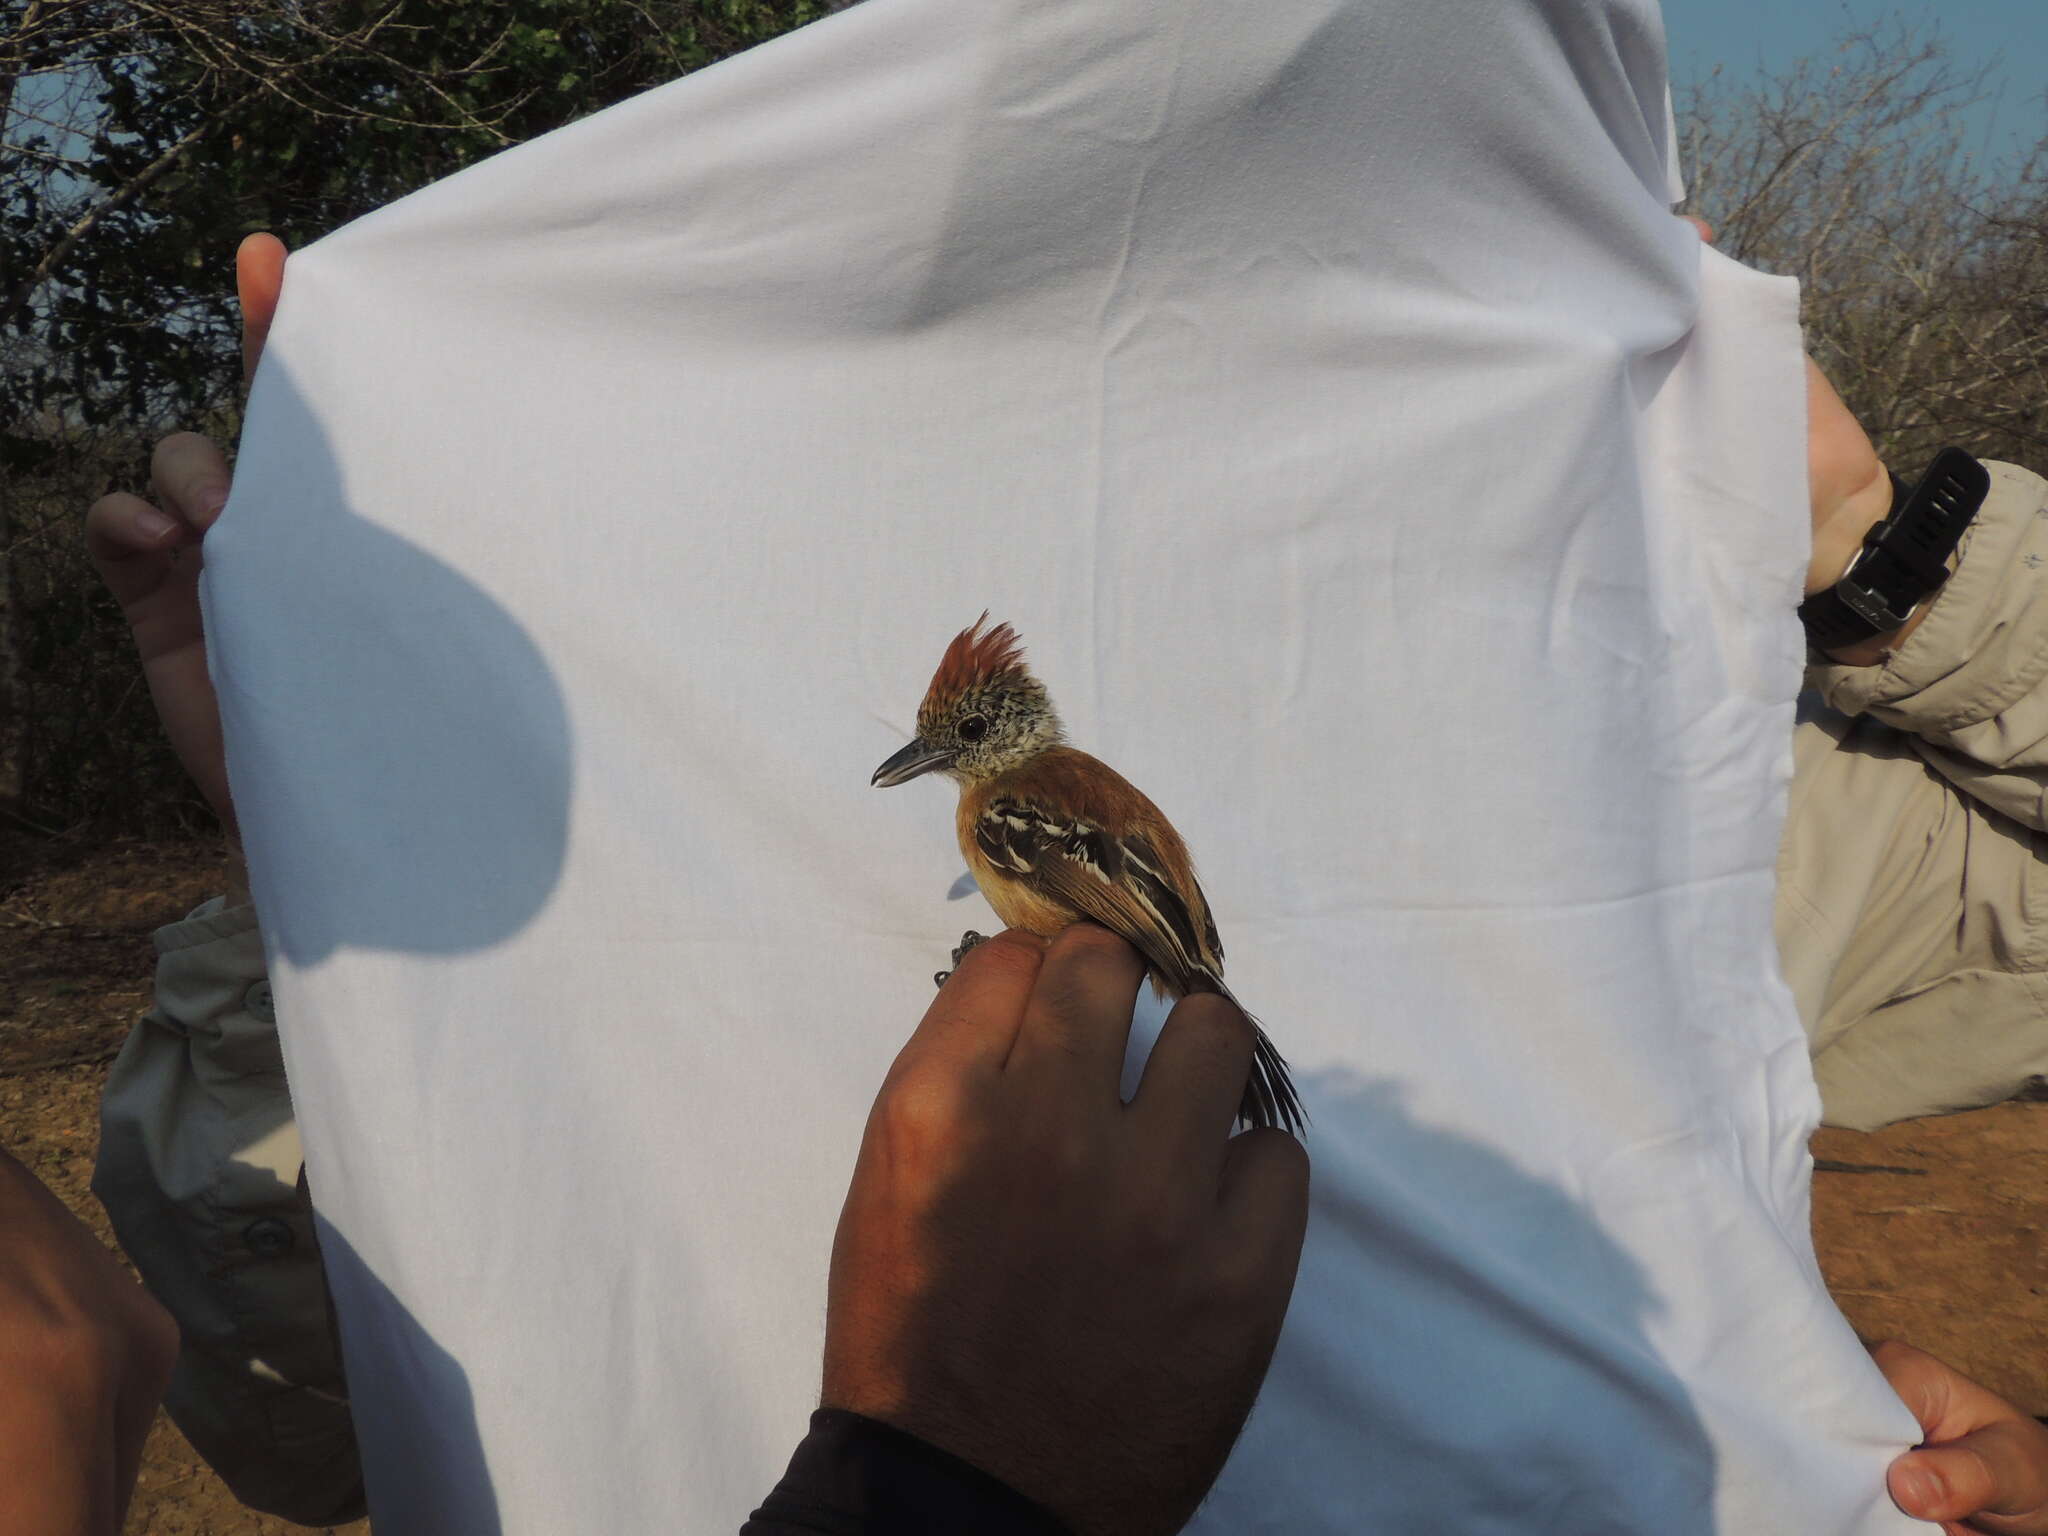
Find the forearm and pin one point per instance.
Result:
(57, 1469)
(1966, 683)
(84, 1354)
(853, 1476)
(1912, 909)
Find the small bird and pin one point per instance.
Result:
(1055, 837)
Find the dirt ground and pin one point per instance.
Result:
(1932, 1232)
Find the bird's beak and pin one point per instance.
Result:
(918, 756)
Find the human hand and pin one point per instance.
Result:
(1848, 490)
(1076, 1295)
(84, 1358)
(149, 555)
(1983, 1465)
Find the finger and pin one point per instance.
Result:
(191, 478)
(1983, 1460)
(1706, 230)
(1267, 1171)
(1077, 1024)
(975, 1018)
(129, 541)
(259, 280)
(1997, 1477)
(1947, 1404)
(1264, 1203)
(1194, 1081)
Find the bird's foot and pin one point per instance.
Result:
(967, 942)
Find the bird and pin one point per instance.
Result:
(1054, 836)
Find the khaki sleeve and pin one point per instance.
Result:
(200, 1172)
(1912, 924)
(1912, 914)
(1970, 686)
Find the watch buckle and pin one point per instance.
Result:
(1870, 607)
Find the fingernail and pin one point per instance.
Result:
(1919, 1490)
(155, 526)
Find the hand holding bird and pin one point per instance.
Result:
(1055, 837)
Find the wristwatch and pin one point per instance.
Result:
(1904, 559)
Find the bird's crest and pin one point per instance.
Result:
(976, 659)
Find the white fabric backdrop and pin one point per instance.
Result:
(1378, 474)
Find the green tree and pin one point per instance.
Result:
(145, 138)
(139, 141)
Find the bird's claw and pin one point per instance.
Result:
(967, 942)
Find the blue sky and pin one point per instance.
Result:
(2011, 35)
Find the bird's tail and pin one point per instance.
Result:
(1269, 1097)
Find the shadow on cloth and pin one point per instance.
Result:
(454, 726)
(1471, 1335)
(456, 1494)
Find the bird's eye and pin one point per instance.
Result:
(973, 728)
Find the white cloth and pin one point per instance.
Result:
(1378, 474)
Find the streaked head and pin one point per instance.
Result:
(984, 714)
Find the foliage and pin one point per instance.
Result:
(143, 139)
(1924, 265)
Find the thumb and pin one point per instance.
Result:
(1993, 1476)
(259, 279)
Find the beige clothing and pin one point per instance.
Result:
(1912, 919)
(1912, 889)
(199, 1170)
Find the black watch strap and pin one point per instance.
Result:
(1904, 559)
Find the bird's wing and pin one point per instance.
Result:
(1122, 883)
(1119, 882)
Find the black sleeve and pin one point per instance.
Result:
(854, 1476)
